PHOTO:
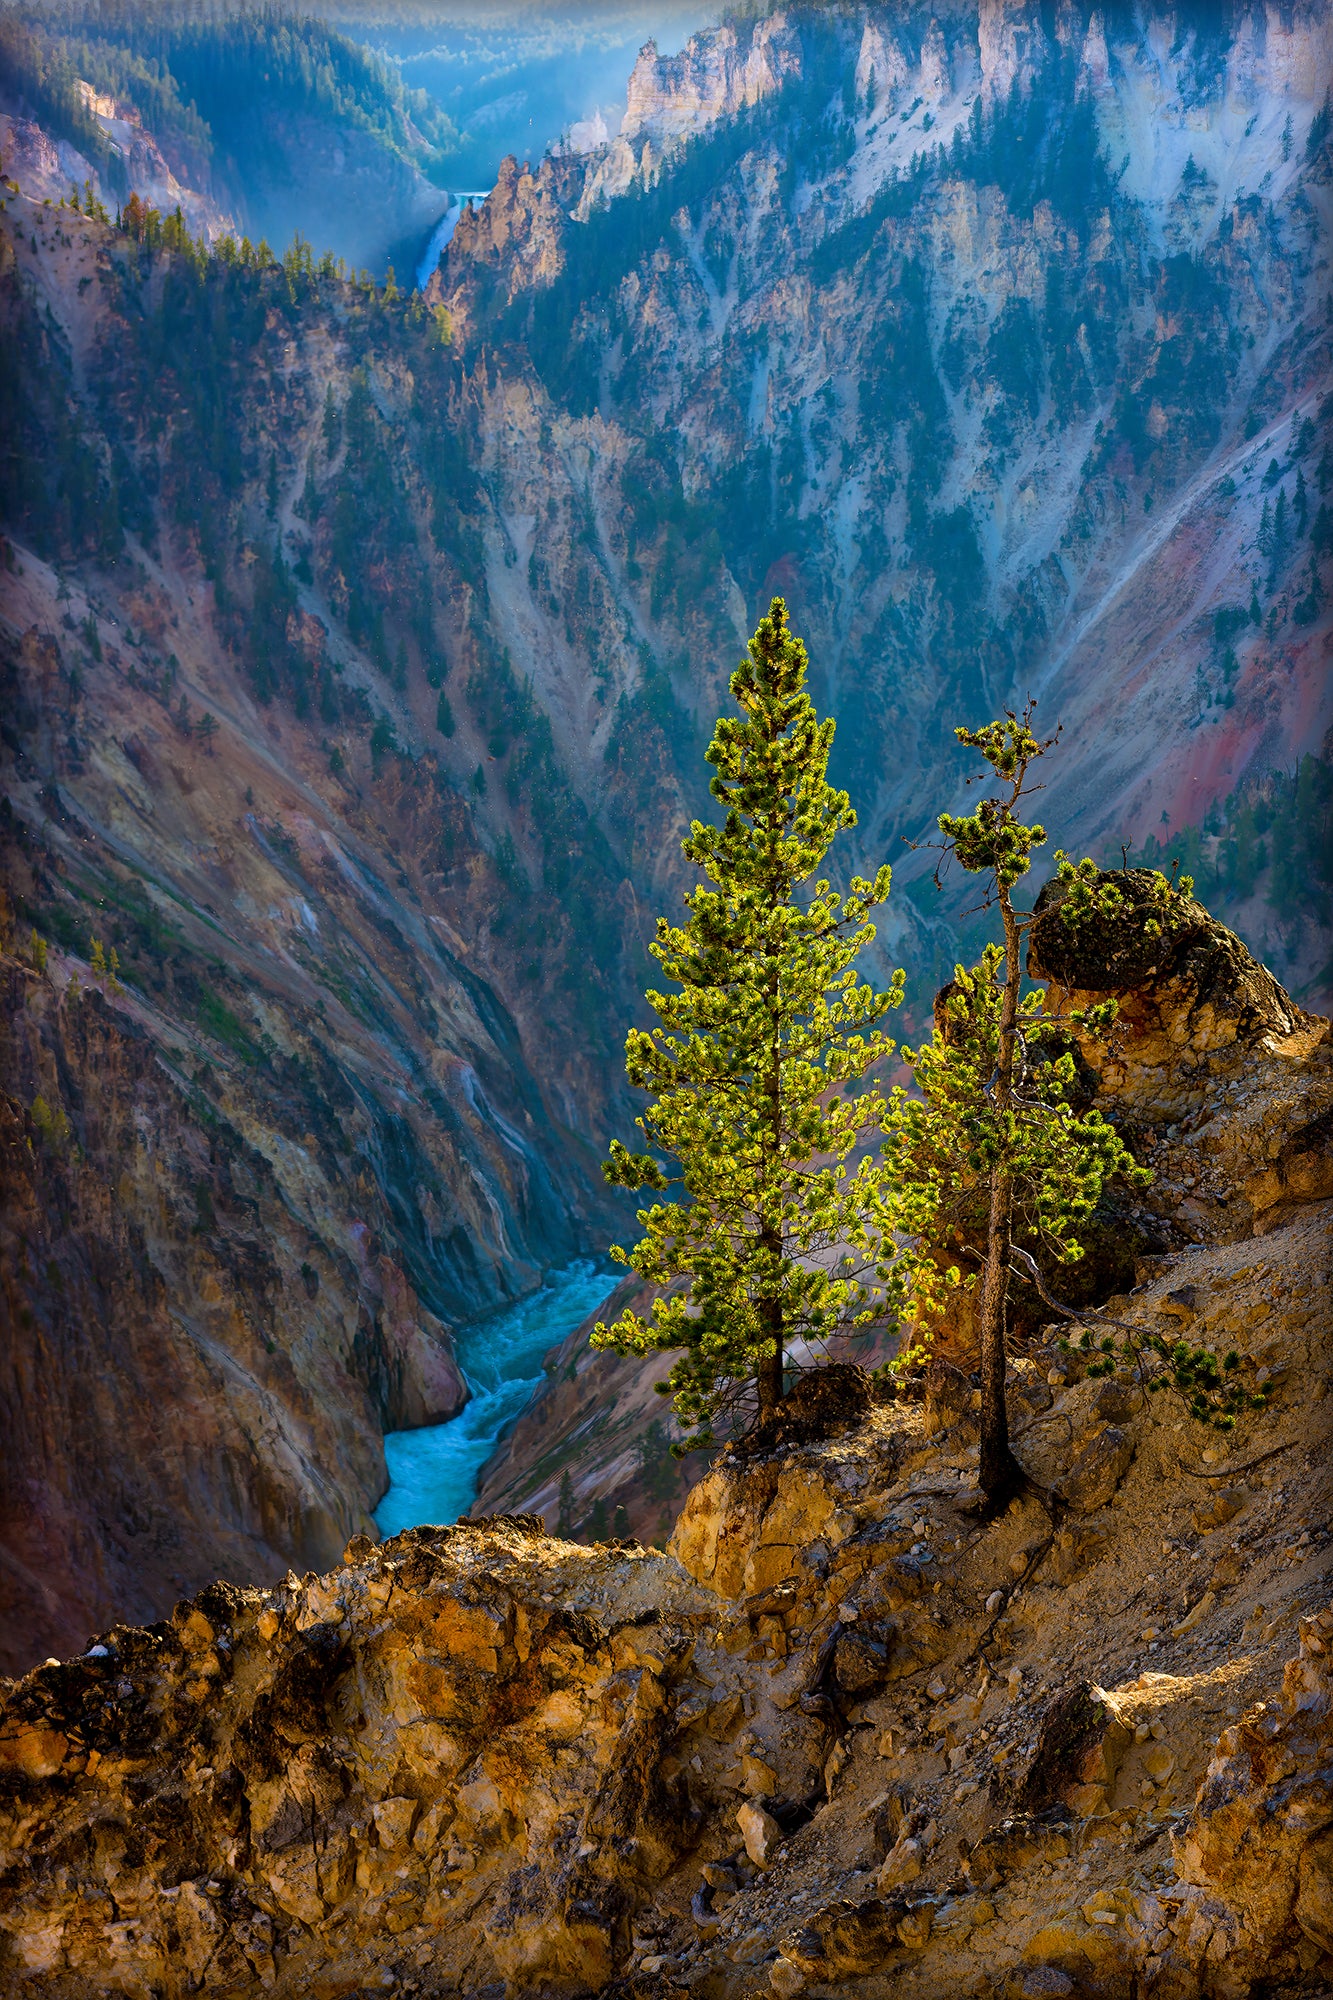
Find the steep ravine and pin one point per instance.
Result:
(847, 1736)
(357, 659)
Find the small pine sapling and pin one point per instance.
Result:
(993, 1146)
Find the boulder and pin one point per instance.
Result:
(760, 1832)
(1081, 1742)
(948, 1395)
(1016, 1843)
(824, 1403)
(861, 1658)
(1260, 1837)
(846, 1939)
(1100, 1462)
(763, 1516)
(1176, 958)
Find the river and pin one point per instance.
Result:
(433, 1471)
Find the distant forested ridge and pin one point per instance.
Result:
(205, 79)
(280, 122)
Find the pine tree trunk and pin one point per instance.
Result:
(771, 1367)
(770, 1235)
(999, 1472)
(770, 1381)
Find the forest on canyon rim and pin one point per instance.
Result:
(360, 645)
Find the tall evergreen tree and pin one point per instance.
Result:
(780, 1239)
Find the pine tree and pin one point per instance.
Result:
(310, 499)
(1264, 540)
(382, 743)
(780, 1242)
(993, 1142)
(1321, 532)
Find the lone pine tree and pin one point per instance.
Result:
(781, 1241)
(992, 1147)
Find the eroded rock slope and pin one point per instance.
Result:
(357, 660)
(846, 1734)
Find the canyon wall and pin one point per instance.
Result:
(848, 1734)
(359, 652)
(285, 1095)
(992, 341)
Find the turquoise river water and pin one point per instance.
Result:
(433, 1472)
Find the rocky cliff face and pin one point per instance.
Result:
(46, 167)
(714, 76)
(358, 657)
(844, 1736)
(260, 1164)
(988, 340)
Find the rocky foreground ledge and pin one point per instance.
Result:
(482, 1761)
(843, 1737)
(846, 1736)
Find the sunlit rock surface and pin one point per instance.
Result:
(844, 1732)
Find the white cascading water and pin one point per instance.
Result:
(442, 234)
